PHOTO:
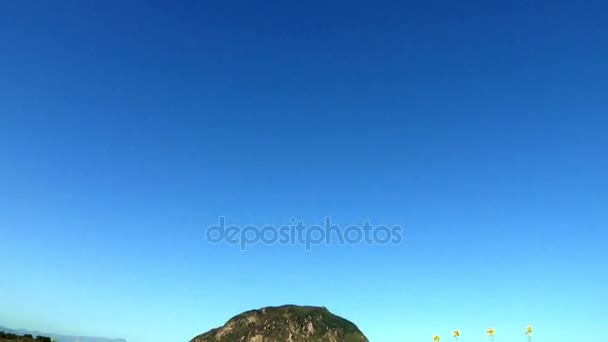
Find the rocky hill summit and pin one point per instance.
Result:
(288, 323)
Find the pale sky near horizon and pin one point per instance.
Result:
(127, 127)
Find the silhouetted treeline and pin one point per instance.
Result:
(4, 336)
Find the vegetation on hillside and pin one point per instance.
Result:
(285, 323)
(5, 337)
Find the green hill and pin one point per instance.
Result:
(289, 323)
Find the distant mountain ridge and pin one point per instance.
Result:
(61, 338)
(288, 323)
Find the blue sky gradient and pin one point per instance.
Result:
(127, 127)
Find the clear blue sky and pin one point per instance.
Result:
(481, 127)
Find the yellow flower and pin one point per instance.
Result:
(529, 330)
(491, 332)
(436, 338)
(456, 334)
